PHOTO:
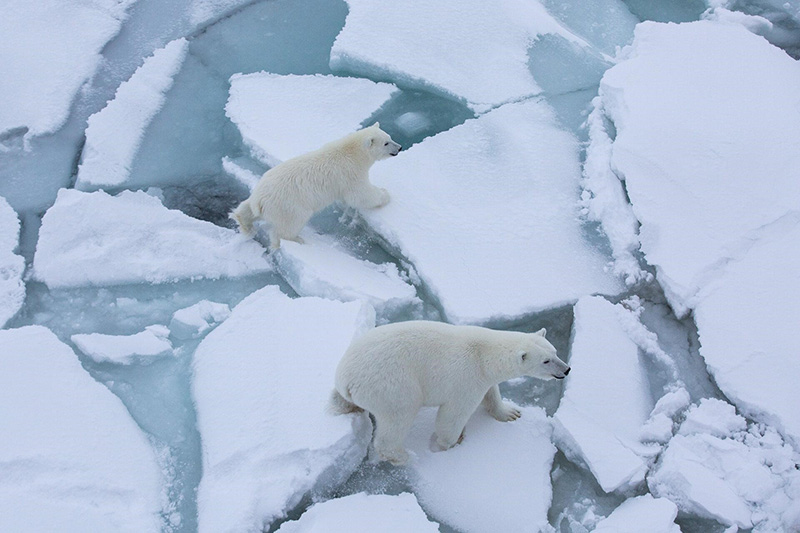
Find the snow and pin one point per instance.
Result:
(497, 479)
(321, 267)
(197, 320)
(46, 61)
(261, 384)
(487, 213)
(71, 457)
(598, 421)
(243, 175)
(661, 424)
(281, 117)
(98, 239)
(144, 346)
(114, 134)
(643, 513)
(470, 51)
(714, 417)
(363, 513)
(12, 266)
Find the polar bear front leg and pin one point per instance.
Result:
(450, 422)
(500, 410)
(368, 197)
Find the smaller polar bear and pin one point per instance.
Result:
(394, 370)
(289, 194)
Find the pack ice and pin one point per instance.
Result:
(487, 213)
(72, 457)
(98, 239)
(261, 384)
(12, 266)
(144, 346)
(715, 188)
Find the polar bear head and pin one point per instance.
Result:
(378, 143)
(536, 357)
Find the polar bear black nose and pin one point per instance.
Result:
(567, 371)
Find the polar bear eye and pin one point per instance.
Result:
(546, 361)
(386, 143)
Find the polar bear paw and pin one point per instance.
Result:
(506, 413)
(383, 198)
(395, 457)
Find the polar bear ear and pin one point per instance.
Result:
(523, 354)
(368, 142)
(542, 332)
(376, 125)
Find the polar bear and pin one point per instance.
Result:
(394, 370)
(289, 194)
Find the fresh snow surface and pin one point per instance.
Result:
(46, 60)
(115, 133)
(320, 267)
(722, 163)
(144, 346)
(640, 514)
(497, 479)
(719, 470)
(98, 239)
(197, 320)
(470, 50)
(363, 513)
(71, 457)
(281, 117)
(487, 213)
(599, 422)
(262, 381)
(12, 266)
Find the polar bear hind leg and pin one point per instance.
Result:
(245, 218)
(390, 433)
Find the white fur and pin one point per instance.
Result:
(289, 194)
(394, 370)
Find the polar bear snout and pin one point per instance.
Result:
(565, 374)
(394, 148)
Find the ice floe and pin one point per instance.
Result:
(262, 380)
(145, 346)
(12, 266)
(71, 456)
(98, 239)
(643, 513)
(197, 320)
(487, 213)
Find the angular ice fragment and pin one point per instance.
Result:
(487, 214)
(412, 123)
(713, 417)
(195, 321)
(143, 347)
(114, 134)
(497, 479)
(363, 513)
(320, 267)
(97, 239)
(262, 380)
(643, 513)
(12, 266)
(598, 422)
(71, 456)
(659, 427)
(242, 174)
(281, 117)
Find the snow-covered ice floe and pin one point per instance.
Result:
(718, 468)
(262, 380)
(487, 213)
(46, 61)
(114, 134)
(640, 514)
(197, 320)
(281, 117)
(12, 266)
(716, 189)
(145, 346)
(98, 239)
(363, 513)
(71, 456)
(320, 267)
(497, 479)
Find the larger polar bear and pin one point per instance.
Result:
(289, 194)
(394, 370)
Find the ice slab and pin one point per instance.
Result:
(363, 513)
(240, 173)
(598, 422)
(98, 239)
(320, 267)
(114, 134)
(722, 163)
(497, 479)
(71, 457)
(197, 320)
(46, 61)
(281, 117)
(487, 213)
(12, 266)
(145, 346)
(473, 51)
(643, 513)
(262, 380)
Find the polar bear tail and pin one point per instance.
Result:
(244, 216)
(338, 405)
